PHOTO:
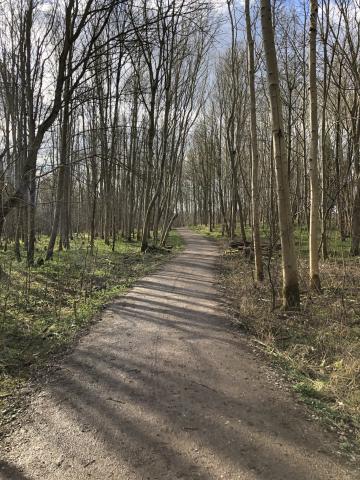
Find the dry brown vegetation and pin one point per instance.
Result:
(320, 345)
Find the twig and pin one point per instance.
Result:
(205, 386)
(115, 400)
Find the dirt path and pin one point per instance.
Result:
(163, 389)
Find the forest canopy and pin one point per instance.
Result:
(120, 118)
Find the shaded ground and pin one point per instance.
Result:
(163, 389)
(44, 308)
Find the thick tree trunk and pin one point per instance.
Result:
(291, 294)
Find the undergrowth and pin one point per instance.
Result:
(43, 308)
(318, 347)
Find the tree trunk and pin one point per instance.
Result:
(31, 209)
(355, 232)
(61, 177)
(167, 230)
(259, 274)
(313, 158)
(291, 294)
(355, 229)
(150, 155)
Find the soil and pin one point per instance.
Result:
(164, 388)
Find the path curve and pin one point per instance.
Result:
(162, 388)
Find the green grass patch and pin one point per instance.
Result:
(43, 308)
(216, 232)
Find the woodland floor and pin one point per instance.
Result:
(317, 348)
(45, 307)
(163, 387)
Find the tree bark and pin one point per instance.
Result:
(259, 274)
(313, 158)
(291, 294)
(355, 229)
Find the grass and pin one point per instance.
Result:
(44, 308)
(204, 230)
(318, 347)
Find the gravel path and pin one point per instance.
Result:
(162, 388)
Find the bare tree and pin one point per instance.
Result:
(291, 295)
(313, 159)
(254, 149)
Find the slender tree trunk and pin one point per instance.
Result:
(291, 294)
(65, 218)
(31, 210)
(93, 205)
(338, 163)
(17, 234)
(324, 159)
(355, 237)
(167, 230)
(355, 229)
(55, 226)
(150, 155)
(313, 158)
(61, 177)
(259, 274)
